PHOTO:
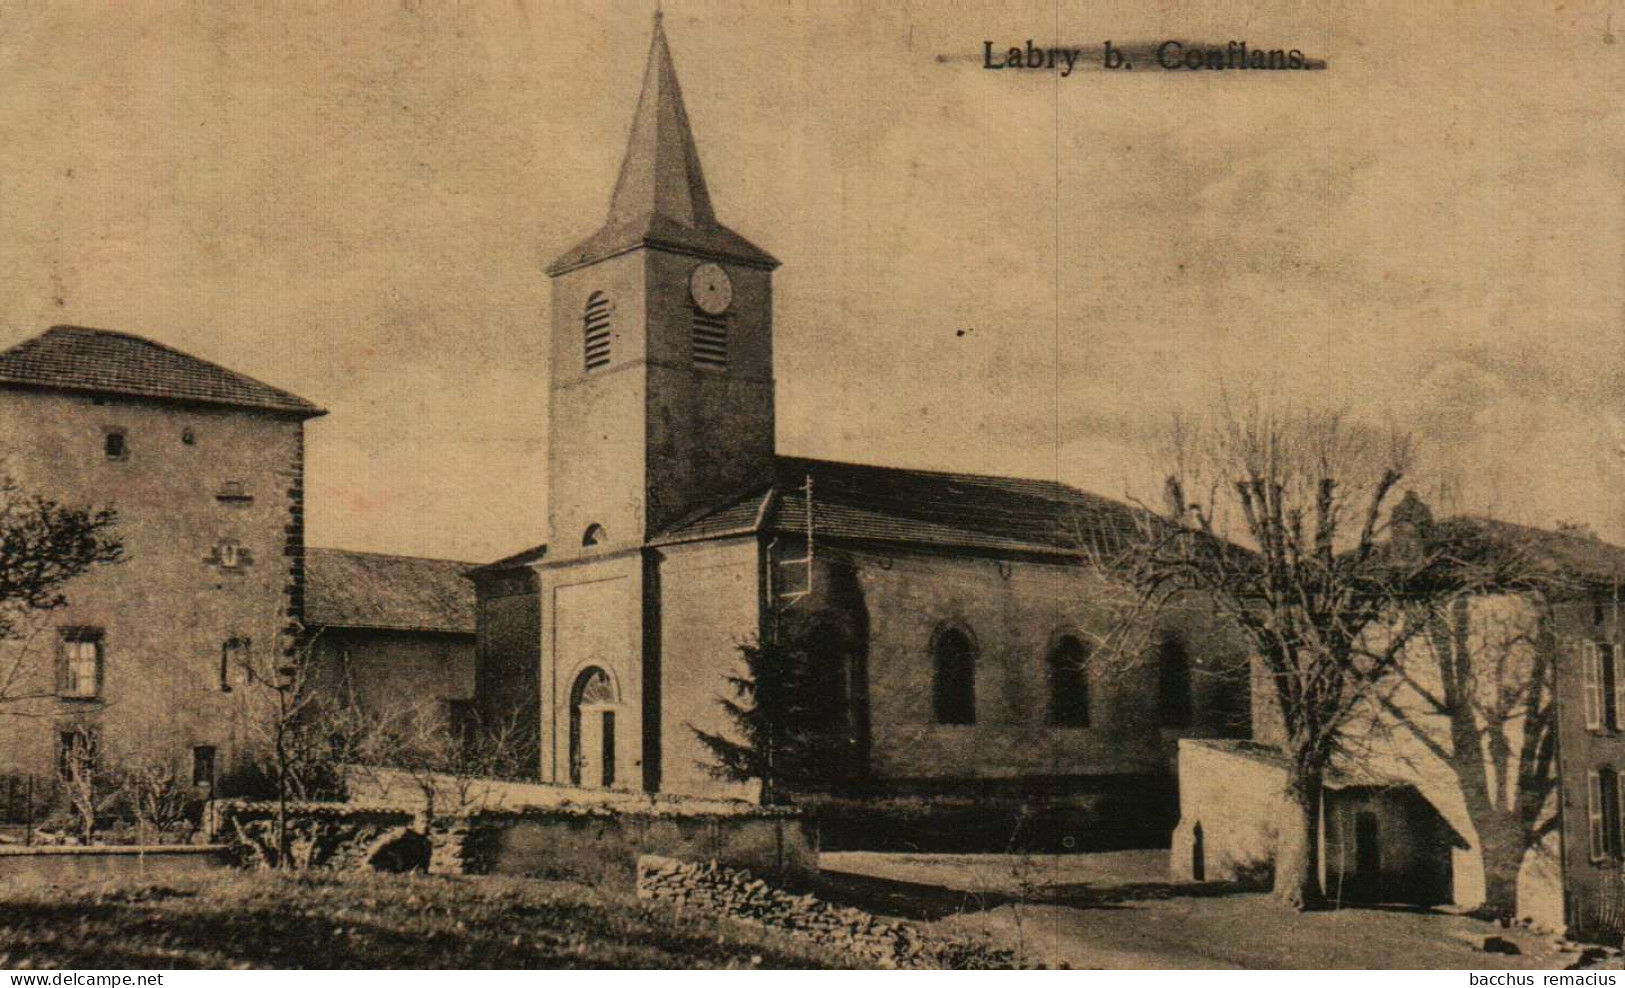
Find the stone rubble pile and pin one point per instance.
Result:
(742, 896)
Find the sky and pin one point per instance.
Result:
(990, 271)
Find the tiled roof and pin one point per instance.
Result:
(922, 507)
(346, 589)
(523, 557)
(1554, 558)
(72, 358)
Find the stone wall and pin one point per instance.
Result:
(21, 866)
(871, 940)
(604, 845)
(193, 477)
(595, 841)
(394, 672)
(1229, 808)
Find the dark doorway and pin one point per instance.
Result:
(607, 748)
(1367, 854)
(1198, 860)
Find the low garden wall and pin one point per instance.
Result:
(56, 865)
(593, 840)
(605, 843)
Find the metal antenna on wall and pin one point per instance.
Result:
(807, 560)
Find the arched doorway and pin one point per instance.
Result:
(592, 729)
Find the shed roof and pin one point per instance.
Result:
(375, 590)
(73, 358)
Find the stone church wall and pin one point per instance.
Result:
(1013, 612)
(508, 658)
(592, 618)
(709, 595)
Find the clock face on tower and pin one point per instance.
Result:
(712, 290)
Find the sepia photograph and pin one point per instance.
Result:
(1133, 485)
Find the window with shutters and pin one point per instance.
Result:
(595, 331)
(1603, 812)
(79, 663)
(710, 340)
(1603, 684)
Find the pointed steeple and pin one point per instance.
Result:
(660, 197)
(661, 172)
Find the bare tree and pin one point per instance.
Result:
(442, 761)
(1476, 692)
(44, 546)
(303, 729)
(155, 794)
(1323, 608)
(90, 788)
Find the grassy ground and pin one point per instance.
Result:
(1119, 910)
(253, 920)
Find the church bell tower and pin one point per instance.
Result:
(661, 394)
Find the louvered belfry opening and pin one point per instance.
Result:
(710, 344)
(595, 328)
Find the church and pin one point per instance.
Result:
(962, 638)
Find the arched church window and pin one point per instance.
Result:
(592, 536)
(953, 688)
(595, 331)
(1068, 663)
(1174, 682)
(710, 340)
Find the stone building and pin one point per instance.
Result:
(1484, 773)
(205, 467)
(962, 632)
(394, 633)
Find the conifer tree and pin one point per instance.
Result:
(784, 730)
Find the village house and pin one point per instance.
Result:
(394, 634)
(153, 660)
(962, 634)
(205, 467)
(1485, 772)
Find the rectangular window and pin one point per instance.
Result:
(1591, 668)
(1614, 698)
(1604, 811)
(236, 663)
(1610, 811)
(1599, 848)
(710, 342)
(1604, 686)
(114, 445)
(79, 663)
(203, 765)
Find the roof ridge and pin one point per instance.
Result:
(85, 359)
(94, 331)
(950, 473)
(390, 555)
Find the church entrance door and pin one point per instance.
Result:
(592, 730)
